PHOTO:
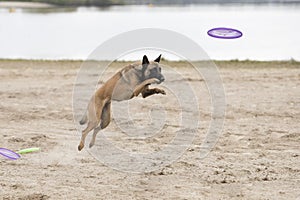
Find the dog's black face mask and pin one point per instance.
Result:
(152, 70)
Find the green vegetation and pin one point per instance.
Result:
(156, 2)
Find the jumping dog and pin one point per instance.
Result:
(127, 83)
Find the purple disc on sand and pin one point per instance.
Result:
(225, 33)
(9, 154)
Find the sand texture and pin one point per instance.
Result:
(256, 157)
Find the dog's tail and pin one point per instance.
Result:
(84, 119)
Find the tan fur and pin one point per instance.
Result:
(124, 85)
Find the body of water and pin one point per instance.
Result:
(271, 32)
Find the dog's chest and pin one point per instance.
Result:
(125, 85)
(122, 91)
(122, 94)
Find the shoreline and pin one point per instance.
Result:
(38, 5)
(62, 4)
(220, 63)
(19, 4)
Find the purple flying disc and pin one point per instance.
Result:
(9, 154)
(225, 33)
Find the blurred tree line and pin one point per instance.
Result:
(138, 2)
(79, 2)
(166, 2)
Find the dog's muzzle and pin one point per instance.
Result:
(162, 79)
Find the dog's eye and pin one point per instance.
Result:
(159, 69)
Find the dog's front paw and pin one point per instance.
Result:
(160, 91)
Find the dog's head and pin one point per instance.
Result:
(152, 69)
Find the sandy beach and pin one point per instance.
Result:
(256, 157)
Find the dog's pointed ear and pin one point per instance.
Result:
(158, 59)
(145, 61)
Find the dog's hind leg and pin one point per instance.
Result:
(90, 126)
(105, 120)
(105, 117)
(84, 119)
(96, 130)
(95, 113)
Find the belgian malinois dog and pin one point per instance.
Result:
(129, 82)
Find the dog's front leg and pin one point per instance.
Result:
(139, 88)
(148, 92)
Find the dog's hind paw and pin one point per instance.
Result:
(80, 147)
(91, 145)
